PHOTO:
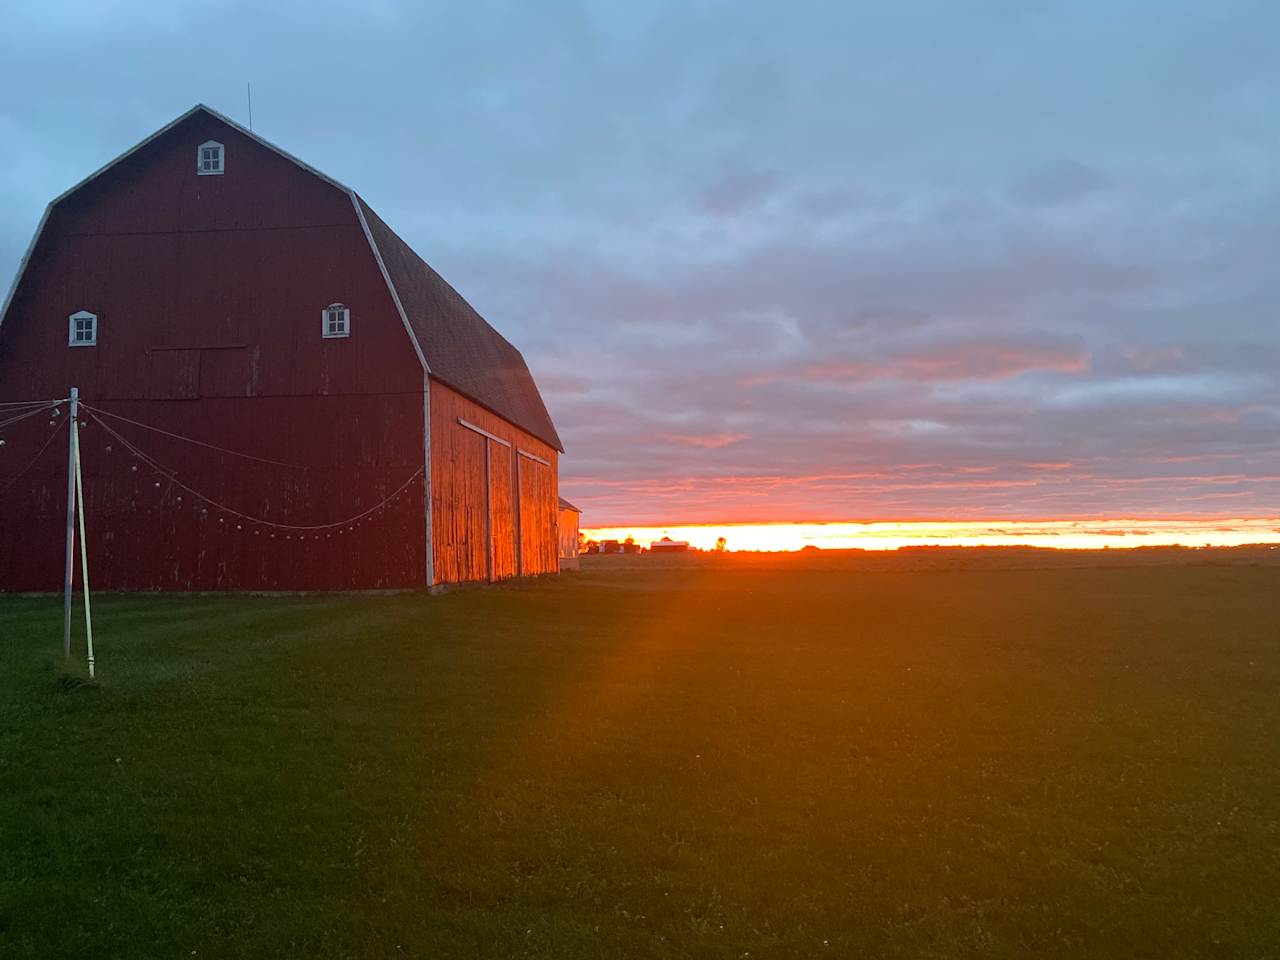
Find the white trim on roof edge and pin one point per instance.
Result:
(22, 264)
(252, 136)
(391, 287)
(355, 202)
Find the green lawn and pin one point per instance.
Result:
(774, 757)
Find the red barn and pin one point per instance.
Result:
(230, 440)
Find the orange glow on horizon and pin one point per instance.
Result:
(890, 535)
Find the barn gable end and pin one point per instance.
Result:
(209, 293)
(171, 261)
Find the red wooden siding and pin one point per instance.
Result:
(476, 511)
(539, 535)
(568, 528)
(458, 527)
(502, 503)
(209, 293)
(146, 532)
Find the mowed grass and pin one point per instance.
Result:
(764, 757)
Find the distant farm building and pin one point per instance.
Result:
(667, 545)
(569, 516)
(229, 441)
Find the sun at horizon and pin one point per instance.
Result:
(892, 535)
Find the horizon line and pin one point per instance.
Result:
(1114, 518)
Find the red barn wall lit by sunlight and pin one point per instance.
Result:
(570, 520)
(279, 393)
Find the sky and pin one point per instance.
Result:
(778, 261)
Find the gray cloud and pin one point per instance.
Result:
(812, 261)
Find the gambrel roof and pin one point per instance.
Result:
(461, 348)
(453, 342)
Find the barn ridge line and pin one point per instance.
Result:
(530, 416)
(200, 107)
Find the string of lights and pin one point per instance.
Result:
(8, 484)
(339, 526)
(31, 403)
(51, 404)
(192, 440)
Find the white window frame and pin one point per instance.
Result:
(93, 329)
(221, 159)
(345, 331)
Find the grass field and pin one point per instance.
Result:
(714, 757)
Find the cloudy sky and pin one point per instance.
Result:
(778, 261)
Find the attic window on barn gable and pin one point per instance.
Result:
(82, 329)
(336, 321)
(209, 158)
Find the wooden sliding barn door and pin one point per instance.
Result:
(496, 507)
(491, 527)
(538, 542)
(502, 527)
(470, 512)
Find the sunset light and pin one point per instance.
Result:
(889, 535)
(580, 480)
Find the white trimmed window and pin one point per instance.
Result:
(336, 320)
(82, 329)
(209, 158)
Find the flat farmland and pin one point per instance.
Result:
(935, 753)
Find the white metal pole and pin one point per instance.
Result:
(71, 527)
(84, 554)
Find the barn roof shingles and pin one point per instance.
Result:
(461, 348)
